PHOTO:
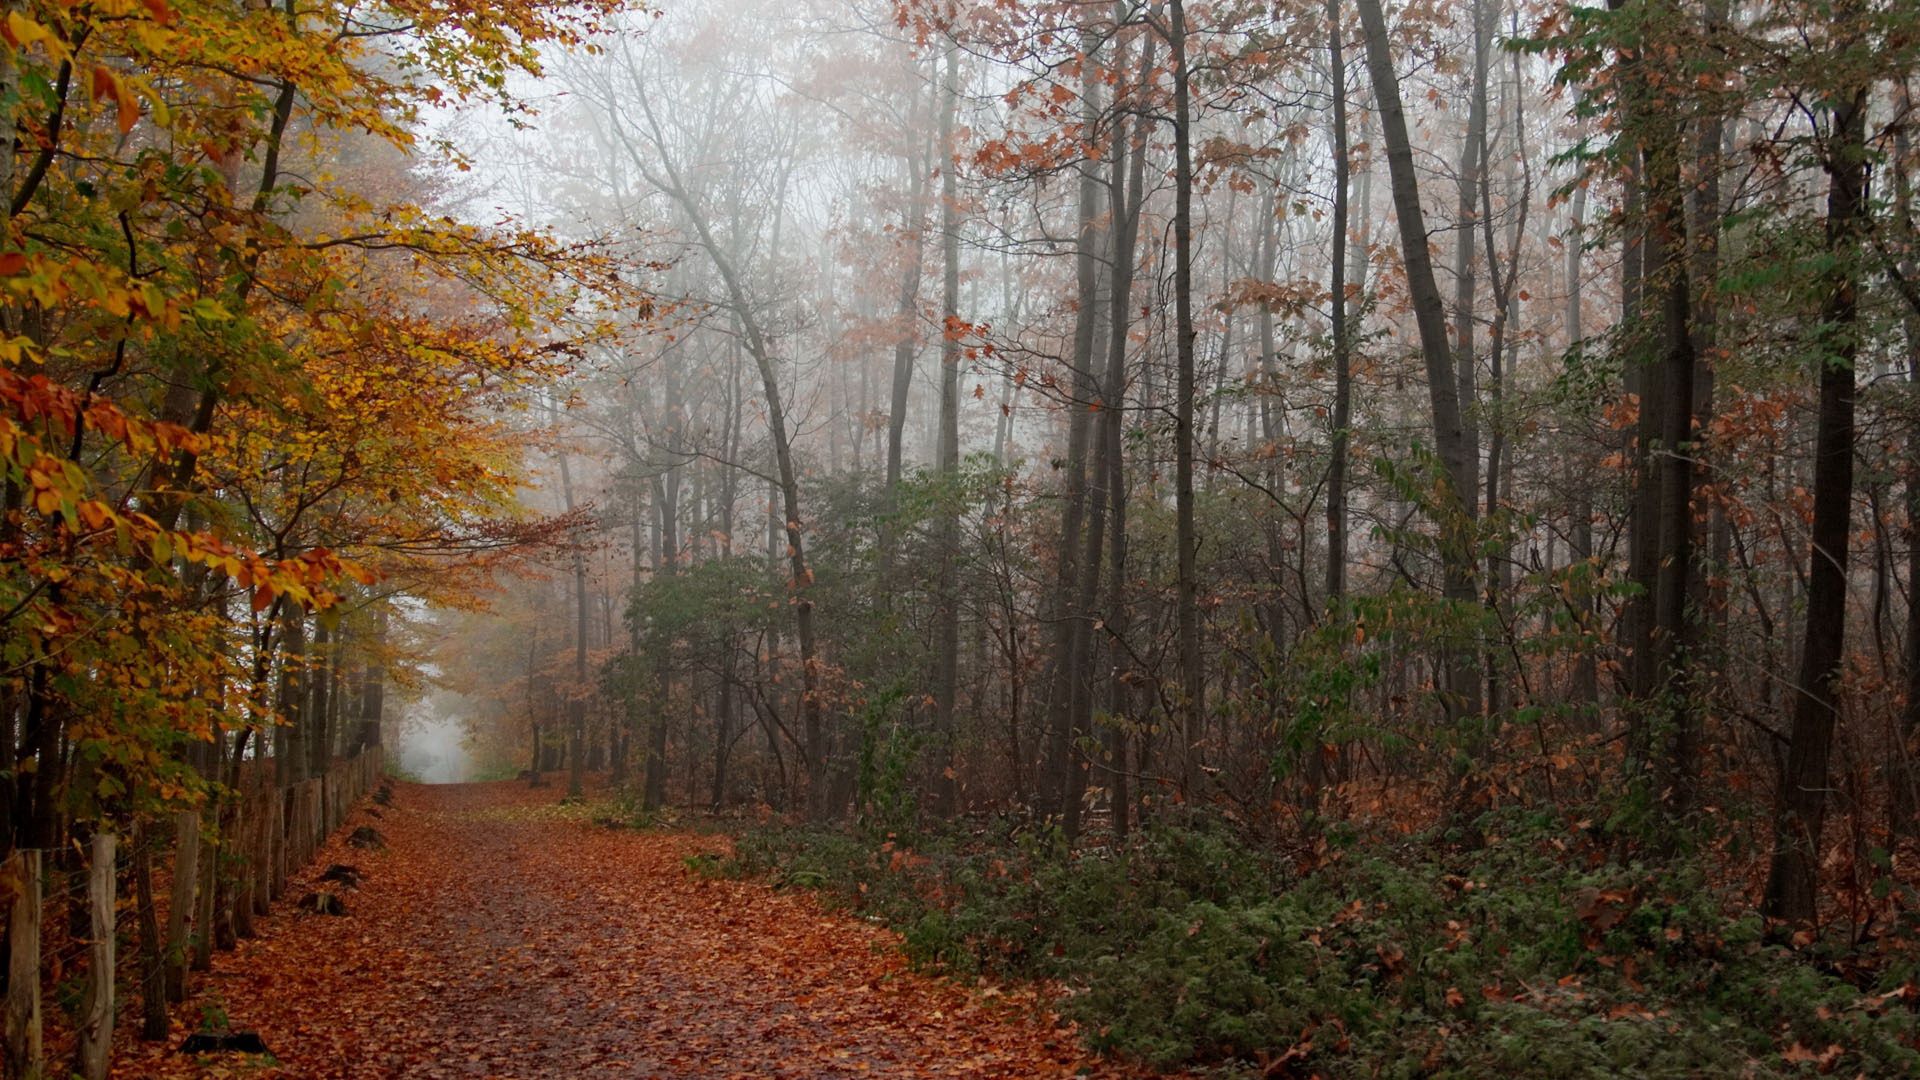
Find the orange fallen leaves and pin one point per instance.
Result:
(493, 938)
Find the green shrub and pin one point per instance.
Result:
(1531, 955)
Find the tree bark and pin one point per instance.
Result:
(1469, 179)
(1455, 508)
(576, 699)
(1193, 690)
(1068, 624)
(1342, 348)
(946, 644)
(1800, 813)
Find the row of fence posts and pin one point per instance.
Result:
(269, 832)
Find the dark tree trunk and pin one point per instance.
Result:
(1067, 624)
(1800, 814)
(946, 642)
(1193, 689)
(1342, 349)
(1451, 441)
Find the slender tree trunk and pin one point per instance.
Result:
(1068, 625)
(907, 344)
(1471, 176)
(180, 903)
(1585, 692)
(576, 700)
(95, 1022)
(1793, 878)
(946, 645)
(667, 510)
(1193, 690)
(319, 711)
(1455, 508)
(1671, 471)
(1342, 349)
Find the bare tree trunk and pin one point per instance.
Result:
(1193, 690)
(1471, 176)
(1067, 623)
(1793, 878)
(1451, 443)
(186, 873)
(95, 1021)
(1667, 708)
(1906, 781)
(1342, 348)
(576, 700)
(1585, 691)
(25, 1051)
(153, 970)
(946, 643)
(907, 345)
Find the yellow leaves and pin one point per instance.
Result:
(21, 31)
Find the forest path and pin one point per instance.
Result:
(498, 935)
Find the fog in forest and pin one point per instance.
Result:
(1391, 530)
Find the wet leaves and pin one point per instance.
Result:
(493, 937)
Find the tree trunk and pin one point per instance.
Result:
(94, 1025)
(1800, 813)
(1906, 779)
(186, 873)
(576, 699)
(907, 345)
(1585, 691)
(1472, 167)
(1455, 509)
(1187, 612)
(1067, 623)
(25, 1052)
(1342, 351)
(946, 644)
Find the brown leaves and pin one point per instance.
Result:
(490, 916)
(1603, 909)
(1823, 1061)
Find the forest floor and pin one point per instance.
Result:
(498, 934)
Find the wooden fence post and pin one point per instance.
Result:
(96, 1017)
(241, 895)
(261, 869)
(25, 1053)
(186, 873)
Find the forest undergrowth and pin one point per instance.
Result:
(1533, 951)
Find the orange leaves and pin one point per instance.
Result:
(1291, 298)
(493, 911)
(105, 84)
(1823, 1061)
(1024, 153)
(1621, 413)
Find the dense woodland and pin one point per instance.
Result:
(1354, 486)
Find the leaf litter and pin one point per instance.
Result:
(497, 936)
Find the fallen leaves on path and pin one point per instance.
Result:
(493, 937)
